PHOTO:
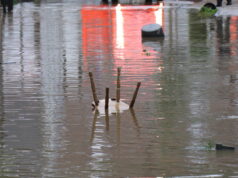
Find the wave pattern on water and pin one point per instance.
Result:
(187, 100)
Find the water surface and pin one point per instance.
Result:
(187, 101)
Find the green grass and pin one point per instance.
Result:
(209, 145)
(207, 12)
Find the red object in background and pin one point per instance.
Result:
(233, 36)
(115, 33)
(116, 28)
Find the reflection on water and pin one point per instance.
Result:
(187, 101)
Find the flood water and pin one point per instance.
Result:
(188, 100)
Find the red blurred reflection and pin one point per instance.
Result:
(233, 36)
(116, 31)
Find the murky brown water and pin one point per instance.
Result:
(187, 102)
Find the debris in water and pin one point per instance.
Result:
(111, 105)
(223, 147)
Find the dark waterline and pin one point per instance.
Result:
(186, 104)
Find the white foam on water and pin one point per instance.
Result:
(228, 117)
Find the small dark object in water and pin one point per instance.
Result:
(223, 147)
(152, 30)
(210, 5)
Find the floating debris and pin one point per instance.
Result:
(223, 147)
(152, 30)
(111, 105)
